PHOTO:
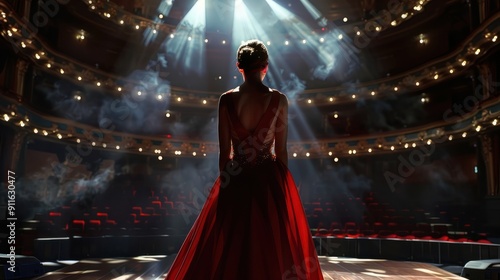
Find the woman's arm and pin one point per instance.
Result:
(281, 131)
(224, 132)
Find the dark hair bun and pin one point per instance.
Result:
(252, 55)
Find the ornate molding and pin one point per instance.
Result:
(474, 123)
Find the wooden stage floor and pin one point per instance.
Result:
(156, 267)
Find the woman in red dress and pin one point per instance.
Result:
(252, 225)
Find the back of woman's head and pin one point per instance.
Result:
(252, 55)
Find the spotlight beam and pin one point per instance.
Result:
(187, 45)
(150, 34)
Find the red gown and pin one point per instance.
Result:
(252, 225)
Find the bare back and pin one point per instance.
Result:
(248, 109)
(251, 106)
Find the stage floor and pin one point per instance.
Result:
(156, 267)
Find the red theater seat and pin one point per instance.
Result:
(351, 229)
(104, 218)
(77, 227)
(156, 203)
(440, 232)
(387, 234)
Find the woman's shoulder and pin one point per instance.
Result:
(282, 96)
(277, 92)
(233, 91)
(223, 97)
(229, 92)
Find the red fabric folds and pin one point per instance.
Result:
(252, 226)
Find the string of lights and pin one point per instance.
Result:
(469, 125)
(113, 12)
(473, 48)
(485, 37)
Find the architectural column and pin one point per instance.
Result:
(496, 164)
(491, 164)
(483, 7)
(485, 84)
(490, 208)
(26, 10)
(21, 68)
(12, 150)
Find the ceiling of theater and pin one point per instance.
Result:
(313, 44)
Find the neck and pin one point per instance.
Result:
(253, 79)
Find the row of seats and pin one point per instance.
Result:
(352, 217)
(367, 217)
(408, 231)
(158, 214)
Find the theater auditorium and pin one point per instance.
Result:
(109, 132)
